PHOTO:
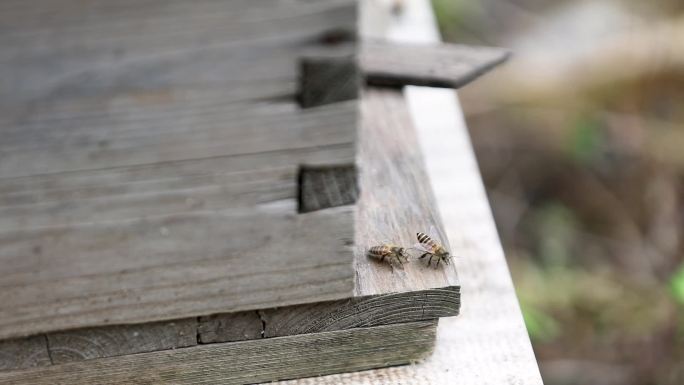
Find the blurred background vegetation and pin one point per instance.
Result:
(580, 140)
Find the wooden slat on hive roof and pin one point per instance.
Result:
(149, 161)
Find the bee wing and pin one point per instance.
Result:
(420, 247)
(434, 234)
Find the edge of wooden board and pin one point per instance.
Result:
(249, 361)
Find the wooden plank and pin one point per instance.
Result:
(23, 353)
(89, 136)
(248, 361)
(357, 312)
(396, 199)
(432, 65)
(66, 48)
(361, 312)
(29, 204)
(240, 326)
(109, 341)
(173, 266)
(488, 343)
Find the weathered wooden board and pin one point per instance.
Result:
(90, 343)
(433, 65)
(240, 326)
(396, 200)
(153, 268)
(24, 353)
(92, 135)
(248, 361)
(150, 156)
(68, 48)
(362, 312)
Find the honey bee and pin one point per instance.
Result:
(432, 248)
(389, 253)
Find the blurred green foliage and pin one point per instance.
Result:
(541, 326)
(677, 285)
(586, 139)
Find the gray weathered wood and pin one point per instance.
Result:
(246, 325)
(108, 85)
(149, 161)
(433, 65)
(91, 135)
(326, 80)
(67, 48)
(24, 353)
(109, 341)
(396, 200)
(248, 361)
(345, 314)
(395, 203)
(362, 312)
(173, 265)
(323, 187)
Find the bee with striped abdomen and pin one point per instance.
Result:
(432, 248)
(389, 253)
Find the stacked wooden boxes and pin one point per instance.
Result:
(188, 189)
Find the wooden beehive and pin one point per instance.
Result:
(187, 192)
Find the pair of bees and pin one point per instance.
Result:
(397, 255)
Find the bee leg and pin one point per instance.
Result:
(438, 261)
(430, 260)
(383, 258)
(423, 256)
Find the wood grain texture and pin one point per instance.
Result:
(248, 361)
(109, 341)
(240, 326)
(396, 200)
(96, 134)
(324, 187)
(72, 49)
(102, 85)
(361, 312)
(149, 161)
(326, 80)
(180, 265)
(487, 343)
(23, 353)
(432, 65)
(357, 312)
